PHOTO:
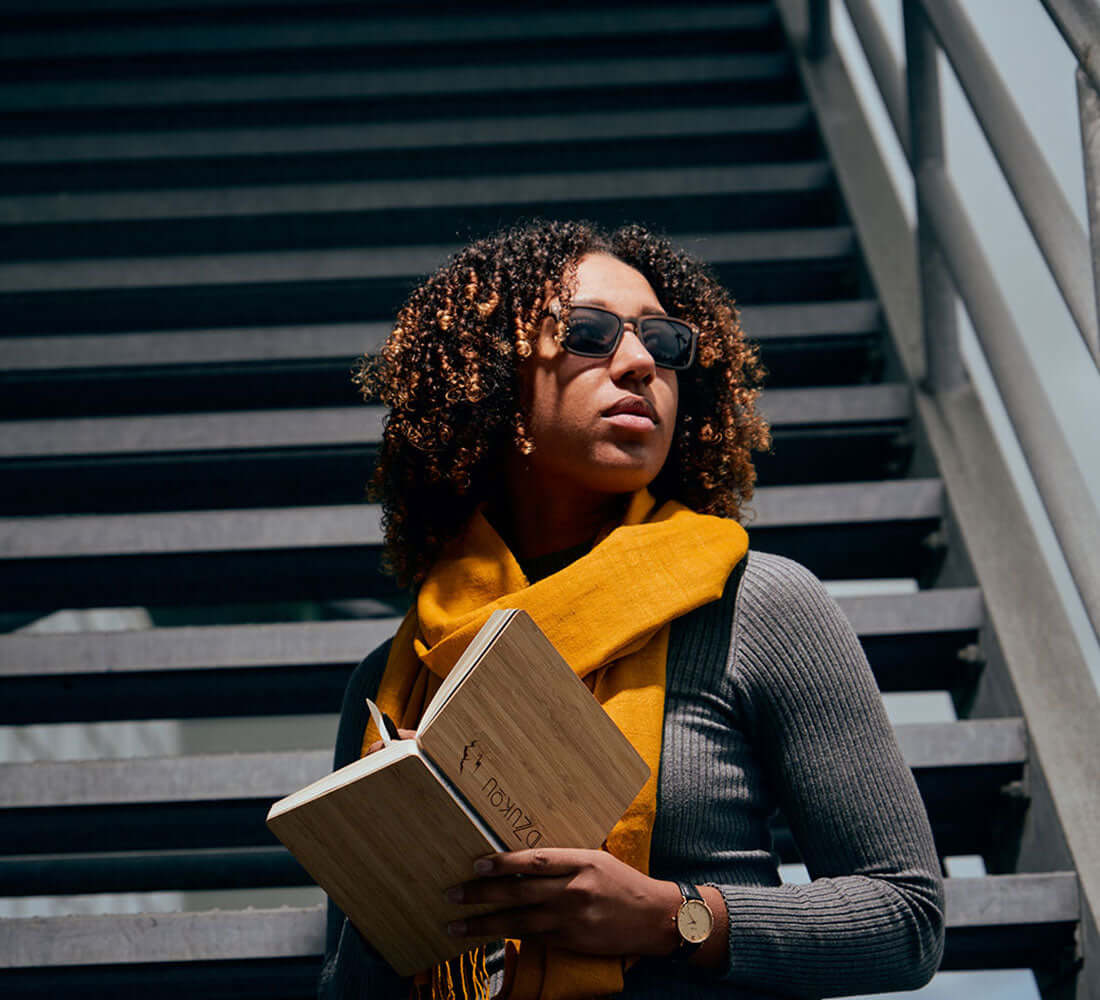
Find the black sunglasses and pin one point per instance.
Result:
(592, 332)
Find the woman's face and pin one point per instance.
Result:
(600, 425)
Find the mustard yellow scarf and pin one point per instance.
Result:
(608, 613)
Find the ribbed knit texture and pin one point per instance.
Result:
(777, 710)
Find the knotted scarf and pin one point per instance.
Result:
(608, 613)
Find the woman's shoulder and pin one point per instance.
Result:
(775, 583)
(787, 623)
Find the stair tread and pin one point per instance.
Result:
(348, 340)
(360, 85)
(273, 774)
(382, 30)
(146, 534)
(395, 262)
(112, 146)
(362, 425)
(992, 901)
(301, 644)
(435, 193)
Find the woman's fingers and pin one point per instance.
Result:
(543, 861)
(524, 923)
(583, 900)
(509, 891)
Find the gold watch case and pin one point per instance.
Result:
(694, 921)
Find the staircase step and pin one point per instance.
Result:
(315, 553)
(199, 101)
(304, 456)
(149, 871)
(158, 150)
(342, 342)
(443, 147)
(242, 219)
(912, 641)
(222, 799)
(381, 32)
(830, 343)
(1004, 918)
(318, 286)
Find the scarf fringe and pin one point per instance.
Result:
(462, 978)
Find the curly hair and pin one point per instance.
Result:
(449, 374)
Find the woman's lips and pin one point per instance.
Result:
(632, 413)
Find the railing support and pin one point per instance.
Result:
(884, 67)
(1079, 23)
(1057, 231)
(819, 37)
(1088, 104)
(1074, 513)
(943, 363)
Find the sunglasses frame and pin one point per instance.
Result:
(636, 322)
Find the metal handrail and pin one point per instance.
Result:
(884, 68)
(1079, 23)
(950, 254)
(1060, 236)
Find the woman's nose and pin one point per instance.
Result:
(631, 358)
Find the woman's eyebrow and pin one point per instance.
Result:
(644, 311)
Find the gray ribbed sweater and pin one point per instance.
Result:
(777, 710)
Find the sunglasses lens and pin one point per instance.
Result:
(669, 341)
(591, 332)
(594, 333)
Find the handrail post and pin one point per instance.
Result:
(818, 38)
(943, 363)
(1088, 106)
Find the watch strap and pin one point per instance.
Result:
(687, 948)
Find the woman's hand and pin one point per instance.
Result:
(581, 900)
(402, 734)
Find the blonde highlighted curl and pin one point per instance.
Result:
(449, 374)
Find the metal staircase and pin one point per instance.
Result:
(209, 210)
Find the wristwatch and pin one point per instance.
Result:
(694, 921)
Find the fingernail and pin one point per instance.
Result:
(457, 928)
(483, 866)
(454, 894)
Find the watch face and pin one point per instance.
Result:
(694, 921)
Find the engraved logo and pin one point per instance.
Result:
(468, 753)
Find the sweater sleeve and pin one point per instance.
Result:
(352, 969)
(872, 917)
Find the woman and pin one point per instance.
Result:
(556, 443)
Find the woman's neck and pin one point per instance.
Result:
(536, 523)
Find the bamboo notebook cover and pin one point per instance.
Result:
(513, 751)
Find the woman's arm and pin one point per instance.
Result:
(872, 918)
